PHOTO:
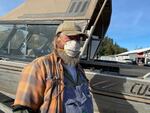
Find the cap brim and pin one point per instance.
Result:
(73, 33)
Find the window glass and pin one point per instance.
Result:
(18, 37)
(94, 45)
(26, 40)
(4, 33)
(40, 42)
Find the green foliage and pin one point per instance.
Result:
(108, 47)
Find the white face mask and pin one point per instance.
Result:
(72, 48)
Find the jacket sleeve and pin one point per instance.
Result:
(31, 87)
(22, 109)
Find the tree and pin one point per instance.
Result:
(108, 47)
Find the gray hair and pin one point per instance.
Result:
(54, 43)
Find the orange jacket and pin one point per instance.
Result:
(41, 85)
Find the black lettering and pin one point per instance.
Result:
(142, 90)
(148, 92)
(133, 87)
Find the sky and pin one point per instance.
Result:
(130, 23)
(129, 26)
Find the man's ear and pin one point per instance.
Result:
(59, 43)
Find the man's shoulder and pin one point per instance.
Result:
(44, 58)
(41, 63)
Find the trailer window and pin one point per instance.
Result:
(26, 40)
(18, 37)
(4, 33)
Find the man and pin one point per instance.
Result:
(56, 83)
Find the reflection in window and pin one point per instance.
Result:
(36, 41)
(40, 42)
(18, 38)
(26, 40)
(94, 45)
(4, 33)
(35, 44)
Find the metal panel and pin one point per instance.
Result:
(37, 9)
(118, 94)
